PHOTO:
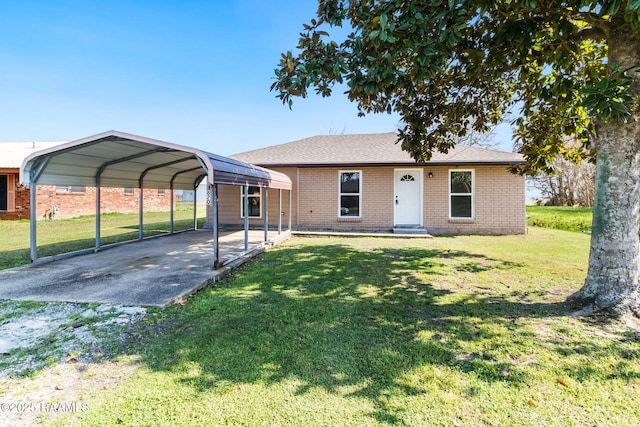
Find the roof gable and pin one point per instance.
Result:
(365, 149)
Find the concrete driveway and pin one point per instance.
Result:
(153, 272)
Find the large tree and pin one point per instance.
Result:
(570, 68)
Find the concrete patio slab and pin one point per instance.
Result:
(153, 272)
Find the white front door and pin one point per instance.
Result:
(408, 197)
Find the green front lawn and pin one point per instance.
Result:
(460, 331)
(560, 217)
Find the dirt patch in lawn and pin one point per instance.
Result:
(58, 390)
(53, 355)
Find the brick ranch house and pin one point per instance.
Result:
(366, 182)
(63, 201)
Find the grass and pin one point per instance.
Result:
(68, 235)
(11, 309)
(560, 217)
(468, 331)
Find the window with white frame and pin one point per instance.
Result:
(350, 194)
(255, 202)
(128, 191)
(461, 194)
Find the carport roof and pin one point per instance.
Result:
(119, 159)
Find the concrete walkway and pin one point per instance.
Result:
(153, 272)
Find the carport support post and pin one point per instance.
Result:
(195, 207)
(279, 211)
(245, 189)
(97, 248)
(34, 176)
(290, 201)
(32, 220)
(140, 212)
(266, 213)
(171, 201)
(214, 223)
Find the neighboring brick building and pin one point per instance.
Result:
(366, 182)
(61, 201)
(67, 202)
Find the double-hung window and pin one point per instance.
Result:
(255, 202)
(350, 194)
(461, 194)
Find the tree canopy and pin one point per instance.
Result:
(452, 66)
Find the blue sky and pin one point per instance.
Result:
(195, 73)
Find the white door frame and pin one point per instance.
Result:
(420, 172)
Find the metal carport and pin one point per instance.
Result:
(118, 159)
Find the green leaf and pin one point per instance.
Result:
(384, 20)
(620, 107)
(589, 91)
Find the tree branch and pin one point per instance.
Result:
(593, 33)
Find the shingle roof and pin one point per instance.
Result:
(365, 149)
(13, 153)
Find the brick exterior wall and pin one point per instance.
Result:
(318, 208)
(70, 205)
(111, 200)
(499, 201)
(499, 198)
(229, 205)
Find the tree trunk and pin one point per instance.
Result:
(612, 282)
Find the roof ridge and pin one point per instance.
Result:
(309, 138)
